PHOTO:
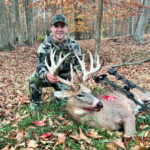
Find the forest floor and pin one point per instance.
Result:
(17, 66)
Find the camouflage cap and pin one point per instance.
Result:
(58, 18)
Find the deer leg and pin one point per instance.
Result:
(129, 126)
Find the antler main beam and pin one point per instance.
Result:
(53, 69)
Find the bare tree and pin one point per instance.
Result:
(18, 25)
(15, 26)
(4, 33)
(98, 28)
(138, 35)
(76, 21)
(29, 21)
(130, 25)
(13, 23)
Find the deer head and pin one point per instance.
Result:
(79, 94)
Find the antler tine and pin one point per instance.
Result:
(81, 62)
(50, 68)
(52, 55)
(61, 59)
(71, 72)
(98, 65)
(91, 60)
(54, 67)
(92, 70)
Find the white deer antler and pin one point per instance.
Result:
(53, 69)
(92, 70)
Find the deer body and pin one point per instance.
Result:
(110, 110)
(117, 112)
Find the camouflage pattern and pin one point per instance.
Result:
(38, 80)
(58, 18)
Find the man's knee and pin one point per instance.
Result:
(35, 80)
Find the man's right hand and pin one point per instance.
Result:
(51, 78)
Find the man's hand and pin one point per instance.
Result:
(51, 78)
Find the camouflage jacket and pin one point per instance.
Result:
(68, 45)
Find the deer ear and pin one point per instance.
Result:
(62, 94)
(58, 94)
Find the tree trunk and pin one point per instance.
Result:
(98, 28)
(113, 27)
(29, 22)
(76, 33)
(131, 26)
(147, 28)
(138, 35)
(13, 23)
(18, 25)
(91, 33)
(61, 7)
(4, 34)
(113, 30)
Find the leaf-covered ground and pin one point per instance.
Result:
(56, 130)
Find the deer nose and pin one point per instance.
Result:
(99, 105)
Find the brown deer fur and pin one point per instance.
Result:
(118, 111)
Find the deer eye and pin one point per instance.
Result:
(80, 95)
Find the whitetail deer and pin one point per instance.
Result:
(111, 110)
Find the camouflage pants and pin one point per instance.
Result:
(35, 88)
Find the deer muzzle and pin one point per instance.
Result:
(96, 107)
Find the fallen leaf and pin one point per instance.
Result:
(57, 123)
(61, 119)
(83, 137)
(61, 138)
(119, 143)
(50, 122)
(137, 147)
(23, 144)
(47, 135)
(27, 148)
(76, 137)
(83, 147)
(93, 134)
(20, 136)
(40, 123)
(32, 144)
(110, 146)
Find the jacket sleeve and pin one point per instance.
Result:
(41, 67)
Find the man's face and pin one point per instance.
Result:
(59, 30)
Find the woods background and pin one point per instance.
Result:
(22, 22)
